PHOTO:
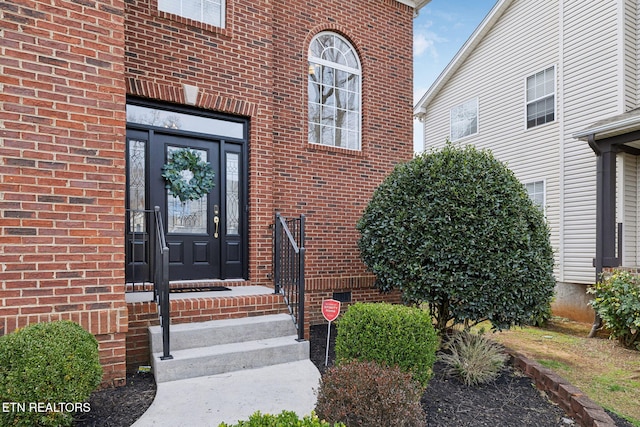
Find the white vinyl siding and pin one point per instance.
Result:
(627, 214)
(631, 57)
(464, 120)
(590, 93)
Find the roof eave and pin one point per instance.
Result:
(609, 130)
(416, 4)
(466, 49)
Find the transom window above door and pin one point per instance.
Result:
(335, 89)
(206, 11)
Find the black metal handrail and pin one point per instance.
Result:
(288, 271)
(161, 282)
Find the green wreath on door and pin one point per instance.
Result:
(184, 188)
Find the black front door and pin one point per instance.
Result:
(193, 227)
(206, 237)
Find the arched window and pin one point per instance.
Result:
(335, 89)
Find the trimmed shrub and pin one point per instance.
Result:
(365, 394)
(49, 364)
(473, 358)
(616, 299)
(455, 228)
(284, 419)
(392, 335)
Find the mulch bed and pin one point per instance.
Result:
(511, 400)
(121, 406)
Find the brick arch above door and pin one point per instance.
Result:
(177, 94)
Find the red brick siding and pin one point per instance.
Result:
(64, 71)
(331, 186)
(361, 288)
(260, 60)
(62, 179)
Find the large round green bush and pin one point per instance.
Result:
(50, 369)
(455, 228)
(392, 335)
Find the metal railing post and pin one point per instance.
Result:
(276, 253)
(301, 286)
(161, 282)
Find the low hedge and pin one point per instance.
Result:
(47, 371)
(392, 335)
(284, 419)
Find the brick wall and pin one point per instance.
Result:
(332, 186)
(260, 60)
(65, 70)
(62, 181)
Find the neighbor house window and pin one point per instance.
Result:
(536, 193)
(464, 119)
(334, 92)
(541, 98)
(207, 11)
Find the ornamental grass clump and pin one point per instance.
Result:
(473, 358)
(366, 394)
(47, 372)
(390, 334)
(616, 299)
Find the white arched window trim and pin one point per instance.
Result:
(335, 92)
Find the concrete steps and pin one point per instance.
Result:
(220, 346)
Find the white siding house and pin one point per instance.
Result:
(543, 76)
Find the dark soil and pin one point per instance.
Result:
(511, 400)
(121, 406)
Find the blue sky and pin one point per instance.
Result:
(439, 31)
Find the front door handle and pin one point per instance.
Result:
(216, 220)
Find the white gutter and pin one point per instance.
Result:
(617, 127)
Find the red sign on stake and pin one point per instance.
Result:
(330, 309)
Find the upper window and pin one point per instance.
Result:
(541, 98)
(536, 193)
(334, 92)
(207, 11)
(464, 119)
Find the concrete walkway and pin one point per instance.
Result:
(209, 401)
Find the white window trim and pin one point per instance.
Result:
(544, 192)
(555, 96)
(223, 14)
(358, 71)
(477, 119)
